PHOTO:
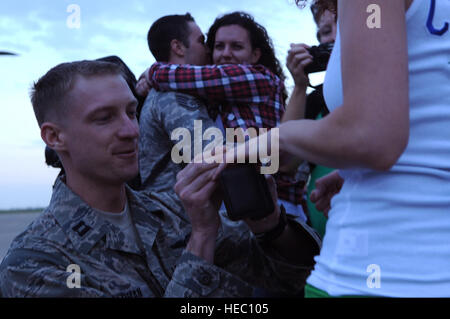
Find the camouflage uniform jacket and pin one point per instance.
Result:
(70, 232)
(162, 114)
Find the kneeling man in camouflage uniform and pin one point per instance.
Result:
(99, 238)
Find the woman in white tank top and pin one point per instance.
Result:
(388, 89)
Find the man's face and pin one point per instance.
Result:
(101, 130)
(327, 27)
(197, 53)
(233, 46)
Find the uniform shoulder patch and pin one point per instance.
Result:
(187, 101)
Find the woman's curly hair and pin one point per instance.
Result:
(318, 7)
(258, 38)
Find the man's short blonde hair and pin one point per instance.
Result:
(49, 95)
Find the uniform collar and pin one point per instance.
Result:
(85, 228)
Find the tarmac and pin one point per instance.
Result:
(11, 225)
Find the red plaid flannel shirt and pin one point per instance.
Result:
(245, 96)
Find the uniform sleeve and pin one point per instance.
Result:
(240, 253)
(181, 112)
(243, 267)
(170, 123)
(217, 83)
(194, 277)
(30, 273)
(285, 276)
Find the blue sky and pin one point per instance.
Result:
(39, 33)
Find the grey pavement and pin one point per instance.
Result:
(11, 225)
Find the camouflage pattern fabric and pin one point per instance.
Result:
(162, 114)
(70, 232)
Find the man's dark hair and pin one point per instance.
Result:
(258, 39)
(129, 77)
(127, 73)
(49, 93)
(166, 29)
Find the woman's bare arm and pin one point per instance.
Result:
(371, 128)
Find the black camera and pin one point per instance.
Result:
(321, 55)
(246, 193)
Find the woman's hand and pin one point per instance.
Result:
(298, 58)
(326, 188)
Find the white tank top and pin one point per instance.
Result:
(388, 233)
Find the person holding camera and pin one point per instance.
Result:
(301, 61)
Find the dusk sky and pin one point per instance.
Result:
(45, 33)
